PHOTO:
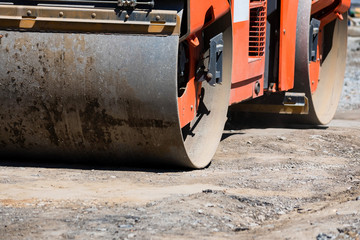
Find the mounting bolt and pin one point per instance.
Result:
(209, 76)
(257, 88)
(127, 16)
(93, 15)
(284, 31)
(158, 17)
(28, 13)
(191, 107)
(61, 14)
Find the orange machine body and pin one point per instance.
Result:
(249, 46)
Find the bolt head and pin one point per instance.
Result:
(209, 76)
(158, 17)
(257, 87)
(93, 15)
(28, 13)
(61, 14)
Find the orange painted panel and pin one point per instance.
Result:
(340, 6)
(247, 71)
(188, 102)
(288, 17)
(336, 12)
(240, 50)
(199, 9)
(317, 5)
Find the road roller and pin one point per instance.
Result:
(153, 80)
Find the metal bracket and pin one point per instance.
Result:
(216, 60)
(59, 19)
(294, 99)
(210, 66)
(313, 39)
(293, 103)
(134, 3)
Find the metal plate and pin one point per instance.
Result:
(60, 19)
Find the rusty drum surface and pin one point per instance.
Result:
(88, 94)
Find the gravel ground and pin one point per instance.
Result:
(273, 183)
(350, 98)
(265, 182)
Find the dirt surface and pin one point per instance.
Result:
(269, 182)
(265, 182)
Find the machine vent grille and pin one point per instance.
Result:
(257, 31)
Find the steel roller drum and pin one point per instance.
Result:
(90, 93)
(108, 97)
(324, 101)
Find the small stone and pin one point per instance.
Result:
(150, 204)
(68, 236)
(226, 218)
(229, 225)
(207, 191)
(92, 209)
(113, 177)
(209, 205)
(249, 142)
(125, 226)
(282, 138)
(131, 235)
(200, 211)
(323, 236)
(241, 229)
(358, 198)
